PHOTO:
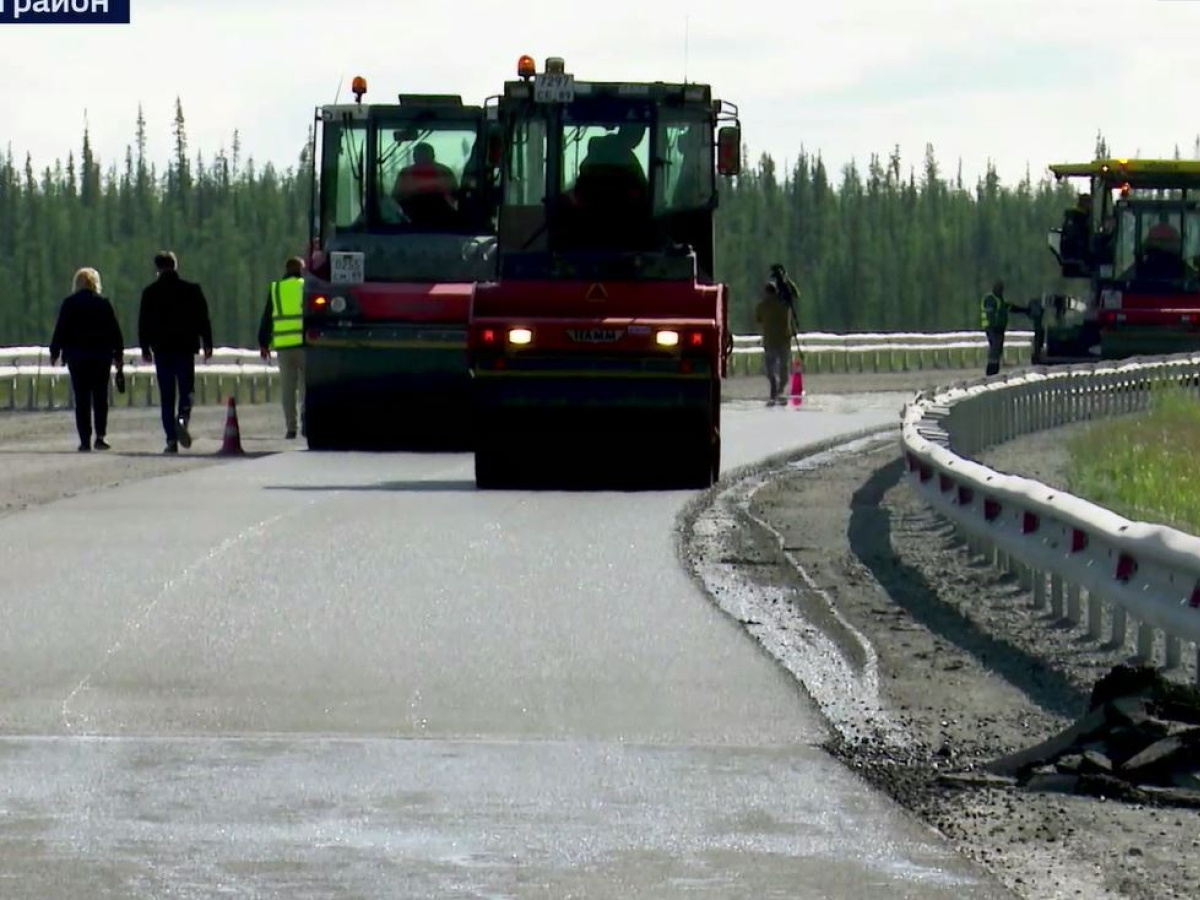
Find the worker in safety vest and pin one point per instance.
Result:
(994, 310)
(282, 329)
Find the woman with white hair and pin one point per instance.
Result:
(88, 337)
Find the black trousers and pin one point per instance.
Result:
(176, 382)
(995, 340)
(89, 381)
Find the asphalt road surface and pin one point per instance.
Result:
(352, 675)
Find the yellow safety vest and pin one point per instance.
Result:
(993, 313)
(287, 312)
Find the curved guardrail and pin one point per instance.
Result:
(875, 352)
(1064, 548)
(853, 338)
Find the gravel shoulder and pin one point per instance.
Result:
(39, 462)
(962, 669)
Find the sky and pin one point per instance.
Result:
(1022, 83)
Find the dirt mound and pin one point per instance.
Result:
(1139, 741)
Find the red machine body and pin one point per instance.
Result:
(599, 350)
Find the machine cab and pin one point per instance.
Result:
(1154, 240)
(1142, 227)
(1139, 248)
(608, 179)
(404, 191)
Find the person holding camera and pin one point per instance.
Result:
(87, 336)
(776, 316)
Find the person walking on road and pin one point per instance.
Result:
(282, 330)
(173, 326)
(778, 324)
(87, 336)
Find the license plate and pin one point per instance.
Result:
(553, 87)
(347, 268)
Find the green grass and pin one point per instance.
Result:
(1144, 467)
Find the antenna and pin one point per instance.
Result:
(338, 93)
(687, 22)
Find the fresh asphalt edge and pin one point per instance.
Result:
(846, 693)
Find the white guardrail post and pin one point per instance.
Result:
(1082, 562)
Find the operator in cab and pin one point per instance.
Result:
(611, 172)
(611, 195)
(1076, 230)
(425, 190)
(1162, 251)
(1106, 241)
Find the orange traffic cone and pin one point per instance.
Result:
(797, 381)
(232, 445)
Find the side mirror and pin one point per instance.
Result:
(729, 150)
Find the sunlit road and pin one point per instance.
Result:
(316, 675)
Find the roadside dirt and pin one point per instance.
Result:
(942, 666)
(40, 462)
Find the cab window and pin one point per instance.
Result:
(343, 176)
(421, 172)
(686, 180)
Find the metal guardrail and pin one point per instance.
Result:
(35, 356)
(1066, 550)
(28, 381)
(876, 352)
(849, 339)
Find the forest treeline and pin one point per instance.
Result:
(894, 245)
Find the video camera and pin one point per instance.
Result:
(779, 278)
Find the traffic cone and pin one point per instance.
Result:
(797, 381)
(232, 445)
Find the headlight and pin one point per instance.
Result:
(667, 338)
(519, 336)
(338, 304)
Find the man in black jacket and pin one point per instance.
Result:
(173, 326)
